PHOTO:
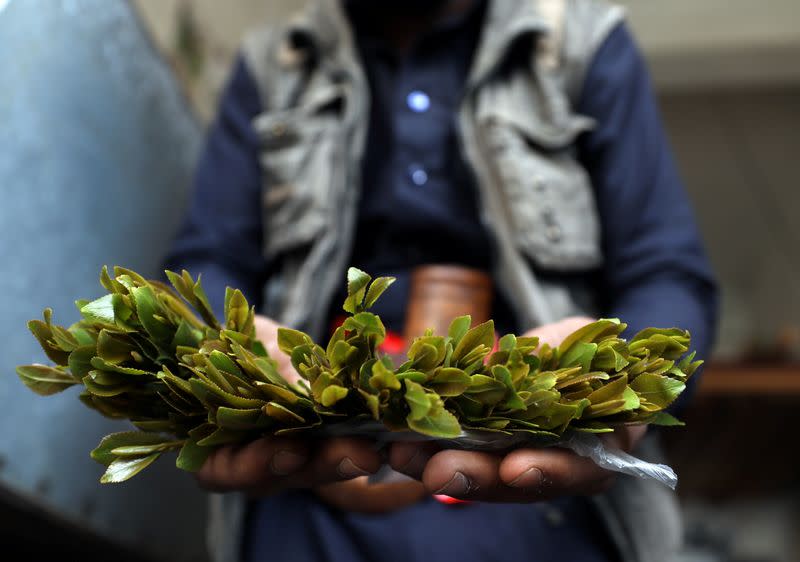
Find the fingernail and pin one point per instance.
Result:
(348, 469)
(459, 485)
(529, 479)
(286, 462)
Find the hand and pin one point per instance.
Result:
(272, 464)
(523, 475)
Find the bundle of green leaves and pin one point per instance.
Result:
(157, 356)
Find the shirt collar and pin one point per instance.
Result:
(325, 25)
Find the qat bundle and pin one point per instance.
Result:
(159, 357)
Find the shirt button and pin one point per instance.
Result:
(418, 101)
(418, 174)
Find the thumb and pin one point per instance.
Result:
(267, 334)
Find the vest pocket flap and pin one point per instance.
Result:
(298, 146)
(551, 206)
(320, 109)
(546, 134)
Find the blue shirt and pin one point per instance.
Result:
(655, 271)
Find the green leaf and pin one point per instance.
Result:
(186, 336)
(511, 401)
(44, 335)
(414, 376)
(125, 468)
(289, 339)
(591, 333)
(567, 383)
(332, 394)
(657, 389)
(610, 391)
(224, 363)
(242, 419)
(99, 364)
(427, 352)
(482, 334)
(212, 395)
(372, 402)
(579, 354)
(237, 311)
(203, 306)
(438, 422)
(367, 324)
(418, 400)
(507, 342)
(665, 419)
(282, 413)
(148, 311)
(141, 450)
(192, 456)
(342, 354)
(603, 409)
(279, 393)
(44, 380)
(458, 329)
(383, 378)
(102, 388)
(357, 282)
(486, 390)
(114, 348)
(80, 361)
(631, 399)
(449, 381)
(560, 415)
(100, 310)
(103, 453)
(376, 290)
(63, 338)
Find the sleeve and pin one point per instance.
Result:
(656, 272)
(221, 236)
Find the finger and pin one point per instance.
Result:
(553, 334)
(549, 473)
(468, 475)
(261, 464)
(361, 496)
(410, 458)
(267, 334)
(335, 460)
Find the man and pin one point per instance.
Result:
(517, 138)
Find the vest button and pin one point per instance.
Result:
(553, 233)
(279, 129)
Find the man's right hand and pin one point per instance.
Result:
(272, 464)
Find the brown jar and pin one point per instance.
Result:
(440, 293)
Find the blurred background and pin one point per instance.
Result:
(143, 77)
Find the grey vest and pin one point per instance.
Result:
(517, 132)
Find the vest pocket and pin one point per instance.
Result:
(297, 152)
(548, 194)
